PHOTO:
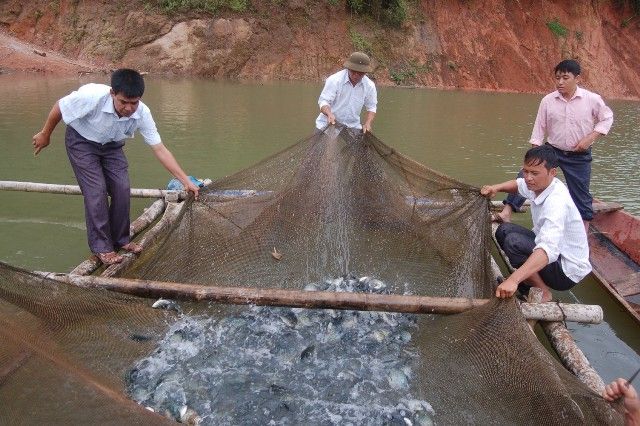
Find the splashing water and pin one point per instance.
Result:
(286, 366)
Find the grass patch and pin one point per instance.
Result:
(359, 42)
(557, 28)
(407, 72)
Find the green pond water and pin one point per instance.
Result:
(217, 128)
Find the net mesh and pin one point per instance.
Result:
(336, 211)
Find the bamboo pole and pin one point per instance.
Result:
(171, 214)
(8, 185)
(571, 355)
(137, 226)
(314, 299)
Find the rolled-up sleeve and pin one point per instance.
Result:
(371, 98)
(328, 94)
(603, 115)
(550, 233)
(148, 129)
(540, 125)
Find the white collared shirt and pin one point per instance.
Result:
(559, 228)
(346, 100)
(90, 111)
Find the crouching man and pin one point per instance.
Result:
(555, 254)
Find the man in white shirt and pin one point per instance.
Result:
(346, 92)
(99, 118)
(555, 255)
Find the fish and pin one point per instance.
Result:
(167, 304)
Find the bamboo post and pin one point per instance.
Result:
(313, 299)
(137, 226)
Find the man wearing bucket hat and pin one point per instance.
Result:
(346, 92)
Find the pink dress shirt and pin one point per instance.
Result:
(565, 123)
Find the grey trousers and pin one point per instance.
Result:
(102, 171)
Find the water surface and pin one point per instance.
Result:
(217, 128)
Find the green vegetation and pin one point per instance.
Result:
(389, 12)
(359, 42)
(557, 28)
(211, 6)
(407, 72)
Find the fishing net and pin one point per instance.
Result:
(334, 212)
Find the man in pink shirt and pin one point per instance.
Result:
(571, 118)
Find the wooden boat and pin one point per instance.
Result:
(614, 243)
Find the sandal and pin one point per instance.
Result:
(109, 258)
(132, 248)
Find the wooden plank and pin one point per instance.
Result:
(600, 207)
(629, 286)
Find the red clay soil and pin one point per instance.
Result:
(22, 57)
(496, 45)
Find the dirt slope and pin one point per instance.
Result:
(500, 45)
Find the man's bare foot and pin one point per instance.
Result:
(109, 258)
(503, 216)
(132, 248)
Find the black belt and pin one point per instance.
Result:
(570, 153)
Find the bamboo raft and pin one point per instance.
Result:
(171, 207)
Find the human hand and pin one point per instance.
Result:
(191, 187)
(506, 288)
(366, 127)
(586, 142)
(621, 388)
(40, 141)
(488, 191)
(331, 118)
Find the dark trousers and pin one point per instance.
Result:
(518, 243)
(576, 167)
(101, 171)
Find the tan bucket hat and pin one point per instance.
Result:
(358, 61)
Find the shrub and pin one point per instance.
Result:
(557, 28)
(389, 12)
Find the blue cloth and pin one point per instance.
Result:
(175, 185)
